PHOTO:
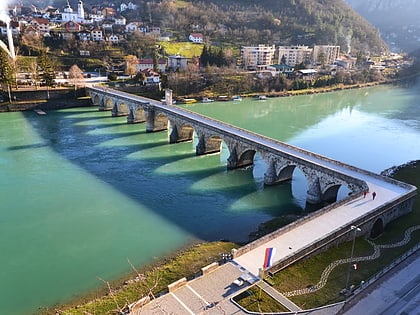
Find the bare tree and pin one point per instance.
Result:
(76, 76)
(130, 68)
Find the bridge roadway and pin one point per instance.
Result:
(319, 227)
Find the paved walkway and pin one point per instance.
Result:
(302, 236)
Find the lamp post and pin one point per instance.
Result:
(355, 229)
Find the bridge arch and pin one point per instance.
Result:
(377, 228)
(136, 114)
(156, 121)
(120, 109)
(246, 158)
(330, 193)
(108, 103)
(96, 100)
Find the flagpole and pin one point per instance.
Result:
(261, 280)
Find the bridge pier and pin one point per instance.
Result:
(212, 145)
(273, 177)
(314, 194)
(155, 122)
(135, 115)
(232, 161)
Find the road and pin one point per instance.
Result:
(398, 293)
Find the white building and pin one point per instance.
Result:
(97, 35)
(257, 57)
(196, 38)
(132, 27)
(294, 55)
(69, 15)
(326, 54)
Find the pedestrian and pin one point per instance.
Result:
(373, 195)
(364, 194)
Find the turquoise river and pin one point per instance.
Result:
(82, 192)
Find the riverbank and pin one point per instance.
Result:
(59, 98)
(319, 90)
(148, 281)
(153, 280)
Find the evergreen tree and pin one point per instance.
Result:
(155, 60)
(47, 74)
(6, 71)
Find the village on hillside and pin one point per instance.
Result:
(107, 25)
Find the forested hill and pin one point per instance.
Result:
(250, 22)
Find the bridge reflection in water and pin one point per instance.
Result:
(324, 177)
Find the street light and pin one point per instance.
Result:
(355, 229)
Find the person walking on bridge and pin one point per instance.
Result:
(373, 195)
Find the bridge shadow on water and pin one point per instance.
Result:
(217, 203)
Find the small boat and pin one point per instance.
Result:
(262, 97)
(189, 100)
(206, 100)
(223, 98)
(40, 112)
(236, 98)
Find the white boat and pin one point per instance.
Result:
(206, 100)
(40, 112)
(236, 98)
(262, 97)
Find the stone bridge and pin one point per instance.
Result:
(324, 176)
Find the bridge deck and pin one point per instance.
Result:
(301, 236)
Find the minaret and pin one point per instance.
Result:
(10, 40)
(80, 11)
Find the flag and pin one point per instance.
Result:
(269, 254)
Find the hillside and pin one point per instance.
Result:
(397, 20)
(250, 22)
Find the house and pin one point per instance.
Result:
(306, 74)
(51, 13)
(40, 25)
(144, 64)
(153, 30)
(346, 62)
(109, 12)
(107, 26)
(177, 62)
(120, 20)
(97, 35)
(196, 38)
(151, 77)
(72, 26)
(280, 68)
(113, 39)
(84, 35)
(132, 27)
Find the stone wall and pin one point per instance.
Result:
(37, 99)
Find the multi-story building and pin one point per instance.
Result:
(293, 55)
(41, 25)
(257, 57)
(325, 54)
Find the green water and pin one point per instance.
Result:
(82, 192)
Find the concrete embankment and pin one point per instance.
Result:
(23, 100)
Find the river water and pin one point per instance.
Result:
(82, 192)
